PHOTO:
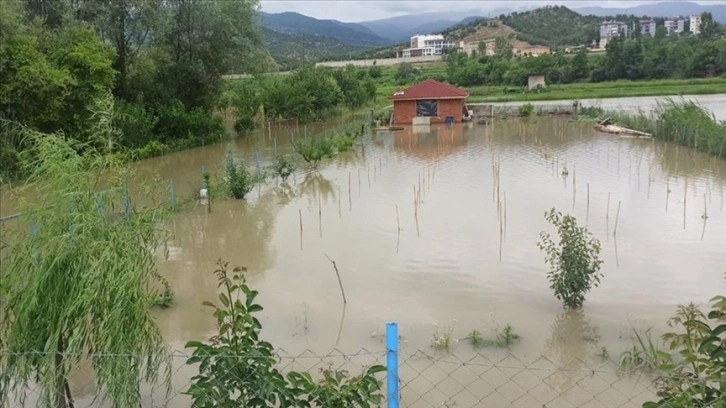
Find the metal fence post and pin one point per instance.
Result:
(392, 363)
(204, 183)
(172, 198)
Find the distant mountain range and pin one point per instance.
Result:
(664, 9)
(293, 37)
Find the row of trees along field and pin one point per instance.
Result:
(154, 66)
(309, 93)
(638, 58)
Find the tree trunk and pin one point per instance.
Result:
(63, 389)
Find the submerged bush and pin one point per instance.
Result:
(239, 180)
(283, 167)
(574, 262)
(526, 110)
(238, 369)
(313, 150)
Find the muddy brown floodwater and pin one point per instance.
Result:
(446, 266)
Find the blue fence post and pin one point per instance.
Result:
(172, 198)
(392, 363)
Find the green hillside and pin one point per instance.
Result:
(291, 50)
(553, 26)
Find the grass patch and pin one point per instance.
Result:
(644, 355)
(684, 122)
(502, 338)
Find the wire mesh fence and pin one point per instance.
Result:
(426, 378)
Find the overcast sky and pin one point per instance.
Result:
(362, 10)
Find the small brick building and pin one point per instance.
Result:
(429, 98)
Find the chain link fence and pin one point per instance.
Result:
(426, 378)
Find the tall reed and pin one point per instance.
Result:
(684, 122)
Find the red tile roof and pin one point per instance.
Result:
(429, 89)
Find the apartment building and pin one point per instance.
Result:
(611, 29)
(647, 27)
(426, 46)
(696, 25)
(675, 25)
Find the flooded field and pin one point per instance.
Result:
(438, 259)
(715, 103)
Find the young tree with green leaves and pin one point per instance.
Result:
(574, 260)
(76, 282)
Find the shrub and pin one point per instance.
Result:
(375, 72)
(696, 378)
(574, 262)
(344, 142)
(238, 178)
(237, 368)
(176, 122)
(526, 110)
(134, 122)
(313, 150)
(283, 167)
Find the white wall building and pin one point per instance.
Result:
(647, 27)
(675, 25)
(696, 25)
(611, 29)
(427, 46)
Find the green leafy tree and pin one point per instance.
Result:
(78, 285)
(503, 49)
(405, 74)
(579, 68)
(574, 260)
(237, 368)
(203, 40)
(693, 375)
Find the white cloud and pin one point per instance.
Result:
(363, 10)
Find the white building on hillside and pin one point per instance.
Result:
(647, 27)
(611, 29)
(675, 25)
(426, 46)
(696, 25)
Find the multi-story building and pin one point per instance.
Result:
(647, 27)
(696, 25)
(611, 29)
(426, 46)
(675, 25)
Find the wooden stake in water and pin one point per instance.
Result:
(668, 190)
(587, 210)
(398, 220)
(301, 229)
(350, 198)
(607, 217)
(340, 215)
(705, 209)
(340, 282)
(617, 216)
(415, 200)
(368, 169)
(359, 183)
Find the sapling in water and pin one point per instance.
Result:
(574, 260)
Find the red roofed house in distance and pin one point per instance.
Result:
(440, 102)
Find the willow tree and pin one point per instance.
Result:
(77, 279)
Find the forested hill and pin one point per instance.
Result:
(553, 26)
(297, 24)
